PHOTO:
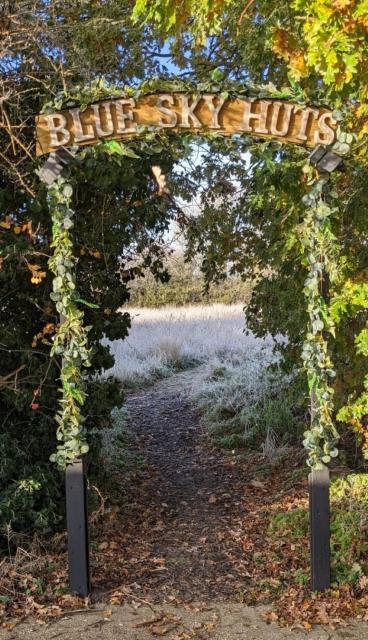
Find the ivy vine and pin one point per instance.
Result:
(320, 259)
(70, 341)
(320, 256)
(100, 89)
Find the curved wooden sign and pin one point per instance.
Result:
(119, 118)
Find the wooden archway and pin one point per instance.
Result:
(126, 117)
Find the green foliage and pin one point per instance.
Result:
(247, 231)
(349, 517)
(319, 253)
(289, 234)
(29, 497)
(118, 231)
(343, 25)
(294, 522)
(295, 38)
(201, 17)
(30, 503)
(186, 286)
(70, 341)
(246, 406)
(351, 300)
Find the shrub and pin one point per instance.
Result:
(349, 527)
(186, 285)
(29, 378)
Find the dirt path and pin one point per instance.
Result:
(178, 554)
(196, 492)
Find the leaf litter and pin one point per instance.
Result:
(191, 526)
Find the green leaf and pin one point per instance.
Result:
(113, 146)
(217, 75)
(67, 190)
(91, 305)
(126, 151)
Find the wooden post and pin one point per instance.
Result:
(319, 509)
(77, 524)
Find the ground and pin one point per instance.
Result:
(197, 493)
(186, 551)
(219, 621)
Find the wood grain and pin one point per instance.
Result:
(230, 120)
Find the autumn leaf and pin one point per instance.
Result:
(160, 630)
(342, 5)
(37, 275)
(280, 43)
(297, 65)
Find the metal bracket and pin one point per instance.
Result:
(324, 160)
(55, 163)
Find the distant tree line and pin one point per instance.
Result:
(186, 285)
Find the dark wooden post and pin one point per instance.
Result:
(77, 524)
(319, 509)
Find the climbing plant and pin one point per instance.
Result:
(70, 341)
(319, 256)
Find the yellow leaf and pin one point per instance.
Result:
(298, 65)
(17, 229)
(37, 275)
(5, 225)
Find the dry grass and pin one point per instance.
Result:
(167, 339)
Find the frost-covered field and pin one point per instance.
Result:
(169, 338)
(242, 402)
